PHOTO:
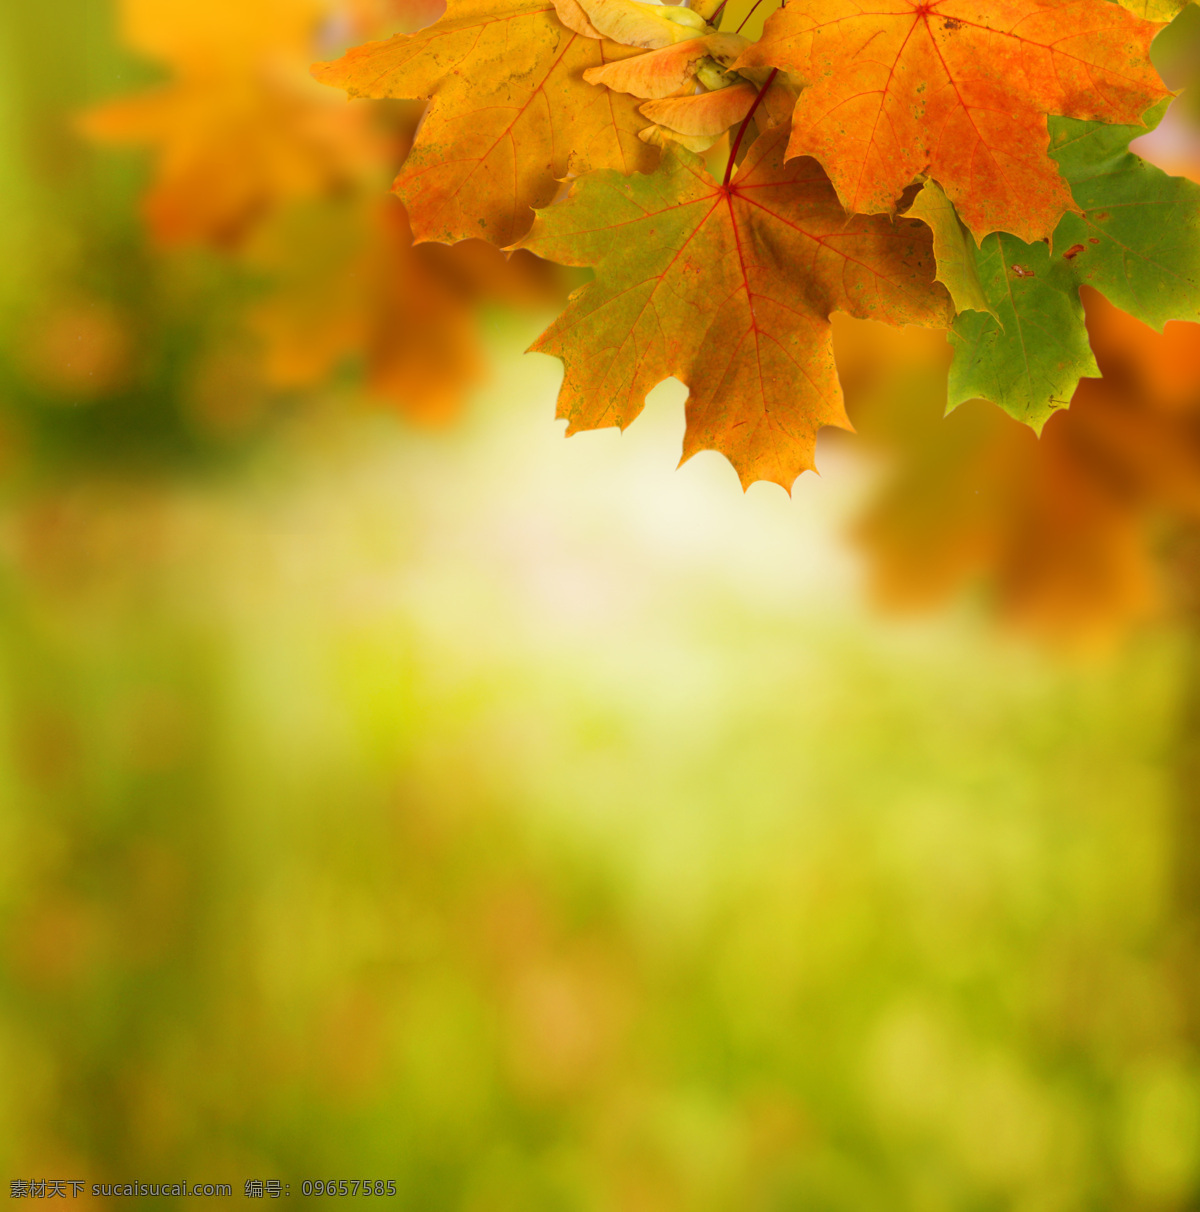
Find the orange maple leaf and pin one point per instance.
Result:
(728, 287)
(959, 90)
(510, 114)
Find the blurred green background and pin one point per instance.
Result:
(522, 820)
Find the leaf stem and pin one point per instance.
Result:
(737, 140)
(747, 16)
(715, 19)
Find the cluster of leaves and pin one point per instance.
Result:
(1075, 536)
(257, 160)
(961, 164)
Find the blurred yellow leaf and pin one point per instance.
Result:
(255, 156)
(241, 126)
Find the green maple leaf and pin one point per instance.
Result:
(728, 287)
(1137, 242)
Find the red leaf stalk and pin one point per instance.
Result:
(741, 131)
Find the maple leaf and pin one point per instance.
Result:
(1137, 241)
(957, 89)
(728, 287)
(510, 114)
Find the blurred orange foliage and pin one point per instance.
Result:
(1069, 532)
(1065, 529)
(241, 128)
(254, 157)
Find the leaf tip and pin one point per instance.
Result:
(326, 72)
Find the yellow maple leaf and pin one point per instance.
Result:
(510, 114)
